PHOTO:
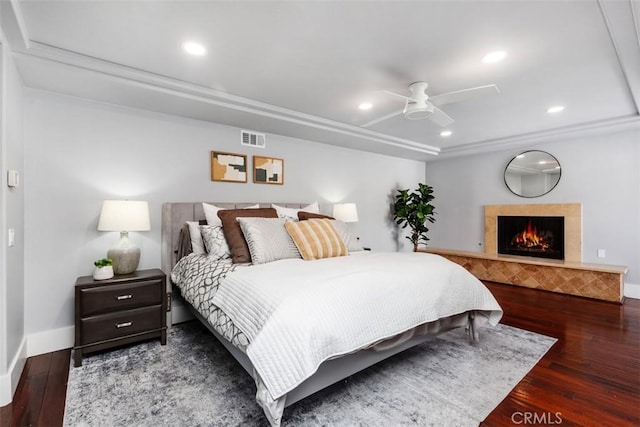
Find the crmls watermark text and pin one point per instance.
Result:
(531, 418)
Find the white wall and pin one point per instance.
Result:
(12, 348)
(79, 153)
(600, 171)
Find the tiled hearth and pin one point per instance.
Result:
(604, 282)
(571, 276)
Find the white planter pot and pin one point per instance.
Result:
(103, 273)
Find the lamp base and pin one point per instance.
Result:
(125, 255)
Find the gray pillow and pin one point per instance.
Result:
(267, 239)
(350, 240)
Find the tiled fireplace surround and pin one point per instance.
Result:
(570, 276)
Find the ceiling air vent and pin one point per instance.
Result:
(252, 139)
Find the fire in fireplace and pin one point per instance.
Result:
(535, 236)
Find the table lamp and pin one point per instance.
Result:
(124, 216)
(345, 212)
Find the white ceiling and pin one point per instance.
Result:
(300, 68)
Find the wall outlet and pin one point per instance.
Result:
(601, 253)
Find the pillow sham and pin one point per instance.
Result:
(211, 213)
(303, 216)
(197, 245)
(233, 233)
(316, 239)
(350, 240)
(267, 239)
(292, 213)
(215, 242)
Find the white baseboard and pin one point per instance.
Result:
(48, 341)
(9, 381)
(632, 290)
(61, 338)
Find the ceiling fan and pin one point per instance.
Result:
(422, 106)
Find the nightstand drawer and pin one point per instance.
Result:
(103, 299)
(120, 324)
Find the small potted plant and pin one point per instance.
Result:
(104, 269)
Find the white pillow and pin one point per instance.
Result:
(350, 240)
(292, 213)
(197, 245)
(267, 239)
(214, 241)
(211, 213)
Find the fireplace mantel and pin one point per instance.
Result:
(572, 213)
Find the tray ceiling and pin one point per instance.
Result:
(302, 68)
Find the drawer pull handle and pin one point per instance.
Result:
(123, 324)
(121, 297)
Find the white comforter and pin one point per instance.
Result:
(298, 313)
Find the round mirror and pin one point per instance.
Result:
(532, 173)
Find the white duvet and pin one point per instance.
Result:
(298, 313)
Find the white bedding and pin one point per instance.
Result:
(297, 314)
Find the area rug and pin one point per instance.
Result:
(194, 381)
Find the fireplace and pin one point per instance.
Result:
(534, 236)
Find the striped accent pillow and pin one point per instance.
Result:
(316, 239)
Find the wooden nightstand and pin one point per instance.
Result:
(122, 310)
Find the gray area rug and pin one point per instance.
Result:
(194, 381)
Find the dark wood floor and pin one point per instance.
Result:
(590, 377)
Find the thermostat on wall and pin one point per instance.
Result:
(13, 178)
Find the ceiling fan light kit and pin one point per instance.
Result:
(420, 106)
(418, 110)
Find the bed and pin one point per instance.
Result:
(299, 326)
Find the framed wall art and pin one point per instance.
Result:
(228, 167)
(268, 170)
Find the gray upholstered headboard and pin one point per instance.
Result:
(174, 215)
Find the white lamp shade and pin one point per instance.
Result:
(124, 215)
(345, 212)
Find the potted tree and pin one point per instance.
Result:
(414, 210)
(104, 269)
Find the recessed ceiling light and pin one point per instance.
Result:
(555, 109)
(194, 48)
(446, 133)
(365, 106)
(496, 56)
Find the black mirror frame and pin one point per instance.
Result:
(504, 174)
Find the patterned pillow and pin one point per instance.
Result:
(214, 242)
(292, 213)
(316, 239)
(267, 239)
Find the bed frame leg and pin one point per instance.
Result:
(472, 328)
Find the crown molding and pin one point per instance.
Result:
(618, 124)
(119, 74)
(13, 24)
(625, 38)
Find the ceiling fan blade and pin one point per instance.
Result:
(464, 95)
(380, 119)
(398, 95)
(440, 117)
